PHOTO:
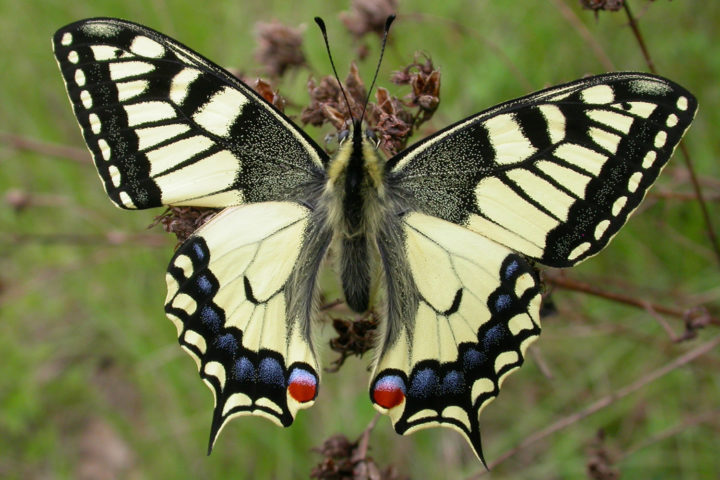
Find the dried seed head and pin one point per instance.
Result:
(266, 91)
(327, 104)
(367, 16)
(345, 460)
(394, 122)
(279, 47)
(609, 5)
(183, 221)
(355, 337)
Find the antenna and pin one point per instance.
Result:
(321, 24)
(388, 22)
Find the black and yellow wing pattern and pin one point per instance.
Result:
(549, 177)
(455, 223)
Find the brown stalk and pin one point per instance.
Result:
(22, 143)
(634, 26)
(604, 402)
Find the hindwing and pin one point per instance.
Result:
(240, 293)
(553, 175)
(462, 310)
(166, 126)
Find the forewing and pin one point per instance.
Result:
(166, 126)
(240, 293)
(461, 312)
(553, 175)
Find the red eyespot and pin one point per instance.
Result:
(302, 385)
(389, 391)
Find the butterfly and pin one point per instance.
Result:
(441, 238)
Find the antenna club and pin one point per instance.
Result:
(390, 19)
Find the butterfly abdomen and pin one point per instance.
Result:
(354, 200)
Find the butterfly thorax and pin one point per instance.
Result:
(354, 197)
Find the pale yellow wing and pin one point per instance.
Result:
(240, 293)
(461, 312)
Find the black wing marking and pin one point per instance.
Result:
(167, 126)
(555, 174)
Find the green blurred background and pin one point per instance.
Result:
(93, 384)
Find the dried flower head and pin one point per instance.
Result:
(265, 89)
(355, 337)
(327, 103)
(367, 16)
(609, 5)
(279, 47)
(183, 221)
(345, 460)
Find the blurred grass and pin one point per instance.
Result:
(91, 374)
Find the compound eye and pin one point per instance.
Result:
(342, 136)
(370, 135)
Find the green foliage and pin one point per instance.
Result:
(91, 374)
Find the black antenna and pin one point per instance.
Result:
(388, 22)
(321, 24)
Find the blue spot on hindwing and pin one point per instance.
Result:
(511, 268)
(244, 370)
(502, 302)
(198, 251)
(494, 337)
(424, 383)
(210, 318)
(271, 372)
(204, 285)
(227, 342)
(473, 358)
(453, 383)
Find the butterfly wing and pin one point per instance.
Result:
(240, 293)
(553, 175)
(166, 126)
(461, 311)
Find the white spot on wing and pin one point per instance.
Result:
(634, 182)
(80, 78)
(212, 174)
(510, 145)
(682, 103)
(572, 180)
(588, 160)
(502, 205)
(95, 124)
(164, 158)
(151, 136)
(66, 39)
(601, 228)
(73, 57)
(120, 70)
(599, 94)
(181, 83)
(611, 119)
(115, 176)
(128, 90)
(660, 139)
(147, 112)
(649, 159)
(145, 47)
(555, 122)
(220, 112)
(86, 99)
(618, 206)
(546, 194)
(608, 141)
(672, 120)
(579, 250)
(104, 149)
(105, 52)
(126, 200)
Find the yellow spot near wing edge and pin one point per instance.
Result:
(236, 400)
(216, 370)
(146, 47)
(507, 139)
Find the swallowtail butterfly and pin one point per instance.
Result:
(447, 231)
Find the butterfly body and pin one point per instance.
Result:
(441, 238)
